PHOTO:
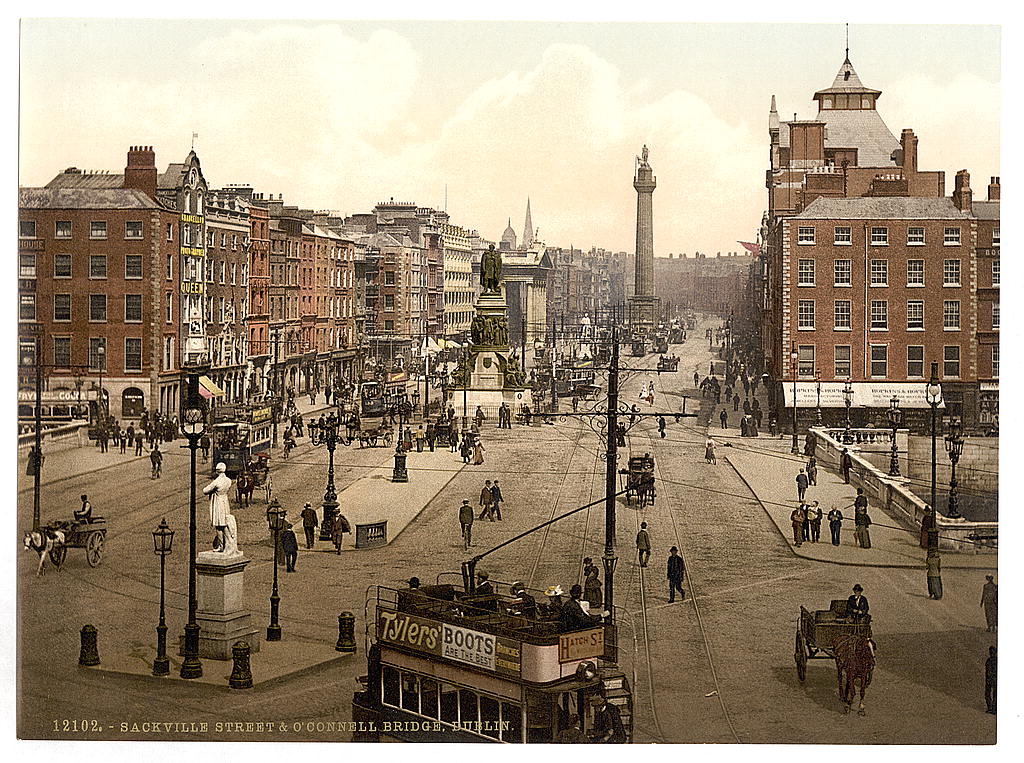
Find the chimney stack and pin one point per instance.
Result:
(140, 172)
(962, 194)
(993, 189)
(908, 146)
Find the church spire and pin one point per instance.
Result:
(527, 227)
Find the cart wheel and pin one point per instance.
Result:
(373, 441)
(800, 655)
(58, 555)
(94, 549)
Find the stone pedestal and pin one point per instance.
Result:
(222, 616)
(489, 385)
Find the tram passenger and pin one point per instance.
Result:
(552, 610)
(484, 586)
(607, 722)
(573, 617)
(524, 605)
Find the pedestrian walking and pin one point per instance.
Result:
(845, 465)
(758, 415)
(498, 499)
(934, 565)
(466, 522)
(453, 438)
(156, 458)
(486, 500)
(661, 426)
(724, 418)
(989, 601)
(835, 524)
(696, 379)
(431, 435)
(709, 451)
(735, 402)
(421, 437)
(990, 681)
(812, 471)
(338, 530)
(801, 485)
(479, 416)
(290, 547)
(927, 526)
(466, 448)
(139, 439)
(814, 521)
(676, 572)
(746, 407)
(797, 517)
(309, 524)
(862, 522)
(592, 590)
(204, 445)
(122, 441)
(643, 544)
(478, 452)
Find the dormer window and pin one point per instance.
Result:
(826, 103)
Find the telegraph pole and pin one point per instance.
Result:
(611, 464)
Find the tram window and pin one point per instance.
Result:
(389, 679)
(25, 412)
(489, 712)
(410, 693)
(61, 412)
(467, 706)
(513, 716)
(449, 703)
(428, 697)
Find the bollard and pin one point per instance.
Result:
(89, 655)
(400, 473)
(241, 674)
(346, 633)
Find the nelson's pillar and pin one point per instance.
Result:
(644, 305)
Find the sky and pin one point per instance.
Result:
(341, 115)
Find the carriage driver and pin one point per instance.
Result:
(84, 514)
(219, 508)
(857, 606)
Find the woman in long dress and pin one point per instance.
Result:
(478, 453)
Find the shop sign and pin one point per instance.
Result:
(190, 218)
(261, 414)
(581, 645)
(192, 251)
(192, 287)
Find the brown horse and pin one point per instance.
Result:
(855, 661)
(246, 484)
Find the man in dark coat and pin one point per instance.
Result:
(498, 499)
(857, 605)
(290, 547)
(309, 524)
(801, 485)
(572, 617)
(990, 601)
(643, 544)
(724, 418)
(835, 524)
(466, 521)
(608, 727)
(845, 465)
(676, 572)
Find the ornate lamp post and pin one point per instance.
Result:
(163, 539)
(933, 394)
(275, 519)
(193, 425)
(955, 448)
(895, 416)
(848, 400)
(329, 437)
(793, 355)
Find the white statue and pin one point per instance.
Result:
(220, 512)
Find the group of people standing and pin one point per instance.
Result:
(807, 516)
(491, 500)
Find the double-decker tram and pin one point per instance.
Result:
(239, 433)
(447, 663)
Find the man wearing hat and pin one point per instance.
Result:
(219, 507)
(309, 524)
(466, 521)
(989, 600)
(525, 605)
(572, 617)
(857, 605)
(414, 582)
(483, 584)
(607, 727)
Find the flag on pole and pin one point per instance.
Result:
(754, 249)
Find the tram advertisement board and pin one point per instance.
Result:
(581, 645)
(451, 642)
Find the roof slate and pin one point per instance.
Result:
(986, 210)
(882, 207)
(84, 198)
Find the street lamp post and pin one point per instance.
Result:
(895, 415)
(163, 539)
(848, 400)
(329, 436)
(817, 406)
(193, 424)
(793, 356)
(933, 394)
(101, 412)
(955, 448)
(275, 519)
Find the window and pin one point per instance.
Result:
(98, 229)
(951, 237)
(133, 308)
(879, 272)
(62, 351)
(843, 235)
(805, 235)
(843, 272)
(389, 325)
(995, 236)
(97, 266)
(995, 361)
(915, 272)
(97, 307)
(132, 354)
(995, 316)
(879, 315)
(234, 272)
(62, 229)
(951, 360)
(915, 315)
(951, 315)
(133, 229)
(27, 307)
(98, 354)
(805, 314)
(842, 314)
(995, 272)
(223, 271)
(805, 273)
(62, 307)
(879, 360)
(26, 266)
(62, 266)
(842, 360)
(915, 236)
(879, 237)
(27, 228)
(27, 352)
(805, 360)
(223, 240)
(389, 277)
(168, 353)
(951, 273)
(169, 307)
(234, 241)
(170, 267)
(915, 361)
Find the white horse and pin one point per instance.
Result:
(43, 543)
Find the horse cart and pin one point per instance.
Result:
(828, 634)
(89, 535)
(639, 478)
(666, 363)
(255, 477)
(372, 430)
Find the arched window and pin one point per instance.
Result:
(132, 403)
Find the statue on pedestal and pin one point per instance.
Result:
(490, 271)
(220, 513)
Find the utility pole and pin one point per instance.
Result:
(277, 386)
(611, 464)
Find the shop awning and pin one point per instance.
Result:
(208, 389)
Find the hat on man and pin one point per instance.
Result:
(858, 587)
(308, 505)
(221, 467)
(989, 578)
(414, 582)
(482, 576)
(576, 590)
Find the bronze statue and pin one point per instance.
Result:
(490, 271)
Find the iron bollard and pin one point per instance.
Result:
(346, 633)
(241, 674)
(400, 474)
(90, 654)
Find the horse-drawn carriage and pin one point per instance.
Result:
(255, 476)
(639, 479)
(828, 634)
(667, 363)
(56, 538)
